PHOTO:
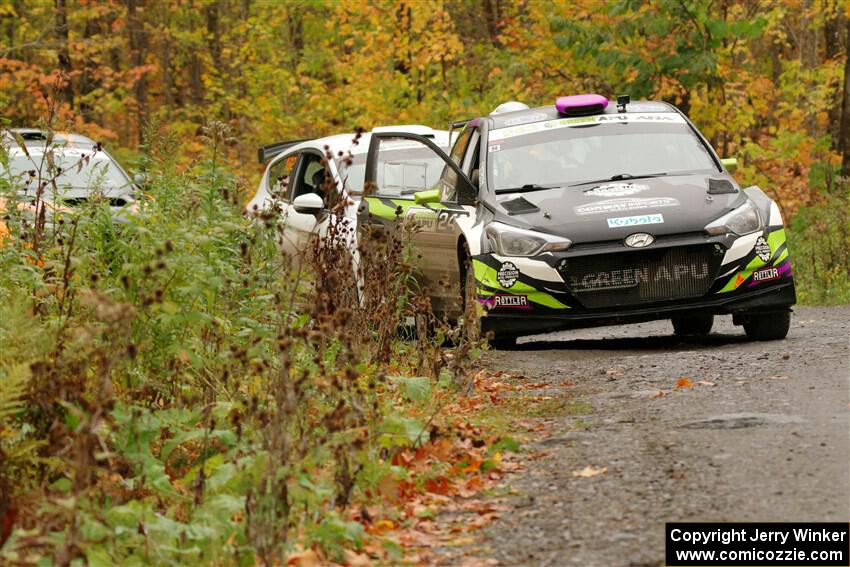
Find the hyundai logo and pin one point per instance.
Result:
(639, 240)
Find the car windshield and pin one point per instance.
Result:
(400, 172)
(99, 172)
(573, 151)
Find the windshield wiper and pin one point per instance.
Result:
(527, 188)
(620, 177)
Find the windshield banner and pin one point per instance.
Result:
(533, 128)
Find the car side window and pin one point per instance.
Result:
(405, 168)
(280, 176)
(310, 176)
(459, 151)
(470, 159)
(460, 146)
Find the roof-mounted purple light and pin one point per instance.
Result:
(581, 105)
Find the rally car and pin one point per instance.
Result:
(590, 212)
(293, 185)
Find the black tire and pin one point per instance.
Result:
(502, 343)
(771, 326)
(695, 325)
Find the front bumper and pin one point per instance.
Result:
(740, 274)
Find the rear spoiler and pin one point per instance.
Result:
(271, 150)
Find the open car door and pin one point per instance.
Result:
(409, 179)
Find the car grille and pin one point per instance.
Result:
(640, 276)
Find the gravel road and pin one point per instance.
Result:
(763, 434)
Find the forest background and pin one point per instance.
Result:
(766, 81)
(175, 391)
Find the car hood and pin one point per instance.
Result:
(613, 210)
(76, 195)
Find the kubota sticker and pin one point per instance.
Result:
(618, 222)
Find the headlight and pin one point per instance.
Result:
(743, 220)
(512, 241)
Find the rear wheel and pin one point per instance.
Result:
(502, 343)
(770, 326)
(693, 325)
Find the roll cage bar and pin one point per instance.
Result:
(269, 151)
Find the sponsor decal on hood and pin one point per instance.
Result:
(626, 205)
(616, 189)
(618, 222)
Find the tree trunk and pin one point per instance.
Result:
(214, 34)
(832, 29)
(138, 50)
(403, 58)
(89, 80)
(491, 16)
(295, 23)
(844, 131)
(61, 22)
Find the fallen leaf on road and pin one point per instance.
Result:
(354, 559)
(684, 383)
(306, 558)
(590, 471)
(383, 526)
(659, 394)
(777, 377)
(705, 383)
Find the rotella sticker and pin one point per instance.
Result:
(507, 275)
(762, 249)
(505, 301)
(766, 274)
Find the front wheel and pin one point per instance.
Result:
(473, 328)
(771, 326)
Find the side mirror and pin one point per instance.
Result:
(731, 164)
(308, 204)
(140, 179)
(430, 196)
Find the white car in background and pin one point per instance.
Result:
(293, 185)
(72, 168)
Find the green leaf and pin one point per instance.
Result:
(414, 388)
(505, 444)
(401, 431)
